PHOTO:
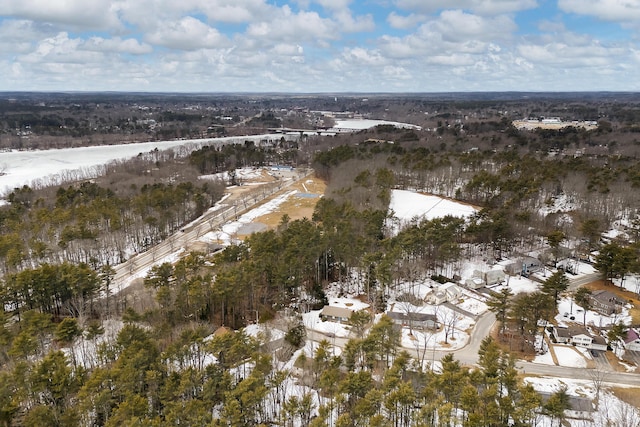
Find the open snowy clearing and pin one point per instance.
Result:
(407, 206)
(361, 124)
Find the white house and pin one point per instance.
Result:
(445, 293)
(580, 337)
(582, 340)
(474, 282)
(598, 343)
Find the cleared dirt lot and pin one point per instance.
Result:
(297, 206)
(300, 205)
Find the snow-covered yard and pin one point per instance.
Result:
(569, 356)
(571, 309)
(407, 206)
(605, 408)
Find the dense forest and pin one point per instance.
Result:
(74, 353)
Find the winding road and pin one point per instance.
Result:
(468, 355)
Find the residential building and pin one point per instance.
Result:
(335, 314)
(606, 302)
(578, 336)
(447, 292)
(632, 340)
(414, 320)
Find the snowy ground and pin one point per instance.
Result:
(408, 206)
(569, 356)
(242, 174)
(361, 124)
(53, 166)
(229, 230)
(566, 305)
(313, 321)
(607, 409)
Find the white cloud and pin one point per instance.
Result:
(235, 11)
(453, 32)
(19, 36)
(482, 7)
(349, 24)
(60, 49)
(560, 54)
(360, 57)
(334, 4)
(94, 14)
(395, 72)
(458, 26)
(117, 45)
(294, 27)
(607, 10)
(404, 22)
(186, 34)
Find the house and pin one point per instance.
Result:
(561, 335)
(445, 293)
(578, 336)
(414, 320)
(599, 343)
(582, 339)
(632, 340)
(579, 407)
(524, 266)
(487, 278)
(474, 283)
(606, 302)
(335, 314)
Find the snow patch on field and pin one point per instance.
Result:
(230, 229)
(407, 206)
(358, 124)
(569, 357)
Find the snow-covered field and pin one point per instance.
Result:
(357, 124)
(407, 206)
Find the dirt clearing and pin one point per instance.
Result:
(298, 206)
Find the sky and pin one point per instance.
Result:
(307, 46)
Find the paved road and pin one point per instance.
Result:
(576, 282)
(579, 373)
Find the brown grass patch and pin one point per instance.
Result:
(297, 207)
(627, 395)
(622, 293)
(511, 343)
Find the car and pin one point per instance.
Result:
(594, 353)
